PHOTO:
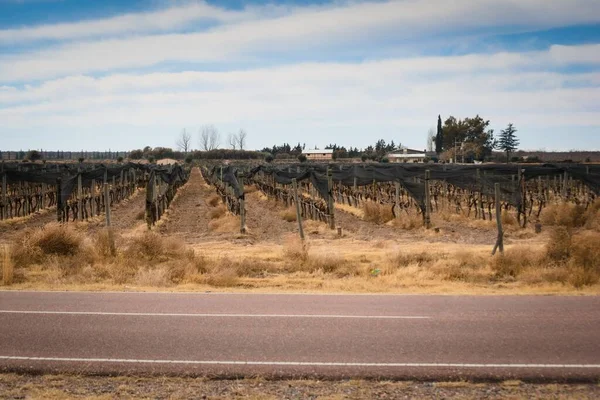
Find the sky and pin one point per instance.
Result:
(114, 74)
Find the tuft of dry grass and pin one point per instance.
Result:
(225, 224)
(104, 243)
(225, 277)
(53, 239)
(150, 246)
(558, 248)
(403, 259)
(377, 213)
(565, 214)
(7, 266)
(515, 261)
(296, 250)
(214, 200)
(217, 212)
(289, 214)
(408, 221)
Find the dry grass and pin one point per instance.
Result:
(214, 200)
(296, 250)
(217, 212)
(225, 224)
(567, 215)
(7, 266)
(408, 221)
(377, 213)
(289, 214)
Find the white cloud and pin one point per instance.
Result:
(348, 25)
(313, 101)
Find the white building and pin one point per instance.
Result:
(407, 155)
(319, 155)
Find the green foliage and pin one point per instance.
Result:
(119, 159)
(471, 134)
(269, 158)
(439, 137)
(508, 141)
(136, 154)
(302, 158)
(189, 159)
(33, 155)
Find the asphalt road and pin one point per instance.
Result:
(226, 335)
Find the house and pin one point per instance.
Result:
(406, 155)
(318, 155)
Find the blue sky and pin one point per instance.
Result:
(125, 74)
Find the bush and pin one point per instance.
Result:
(302, 158)
(559, 246)
(289, 214)
(269, 158)
(377, 213)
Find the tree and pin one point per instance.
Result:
(431, 140)
(232, 140)
(473, 132)
(508, 141)
(210, 138)
(241, 139)
(439, 137)
(33, 155)
(184, 141)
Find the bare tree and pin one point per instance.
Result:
(184, 141)
(241, 139)
(232, 140)
(210, 138)
(431, 139)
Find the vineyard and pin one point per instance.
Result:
(81, 191)
(346, 227)
(480, 192)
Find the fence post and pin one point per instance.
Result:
(3, 199)
(79, 200)
(330, 205)
(298, 214)
(427, 200)
(107, 204)
(242, 206)
(500, 239)
(93, 197)
(397, 198)
(59, 203)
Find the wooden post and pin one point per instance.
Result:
(564, 186)
(330, 205)
(59, 204)
(149, 200)
(93, 197)
(3, 199)
(298, 214)
(500, 239)
(427, 200)
(524, 198)
(79, 198)
(43, 198)
(242, 206)
(397, 198)
(107, 204)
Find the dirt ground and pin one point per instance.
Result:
(14, 386)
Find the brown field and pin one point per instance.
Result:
(197, 247)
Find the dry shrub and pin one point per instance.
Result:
(105, 243)
(403, 259)
(408, 221)
(289, 214)
(564, 214)
(461, 266)
(592, 216)
(247, 267)
(377, 213)
(329, 263)
(226, 224)
(226, 277)
(32, 246)
(154, 277)
(296, 250)
(152, 247)
(217, 212)
(214, 200)
(559, 246)
(585, 259)
(509, 219)
(141, 215)
(515, 261)
(7, 267)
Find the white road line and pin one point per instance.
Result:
(132, 314)
(304, 364)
